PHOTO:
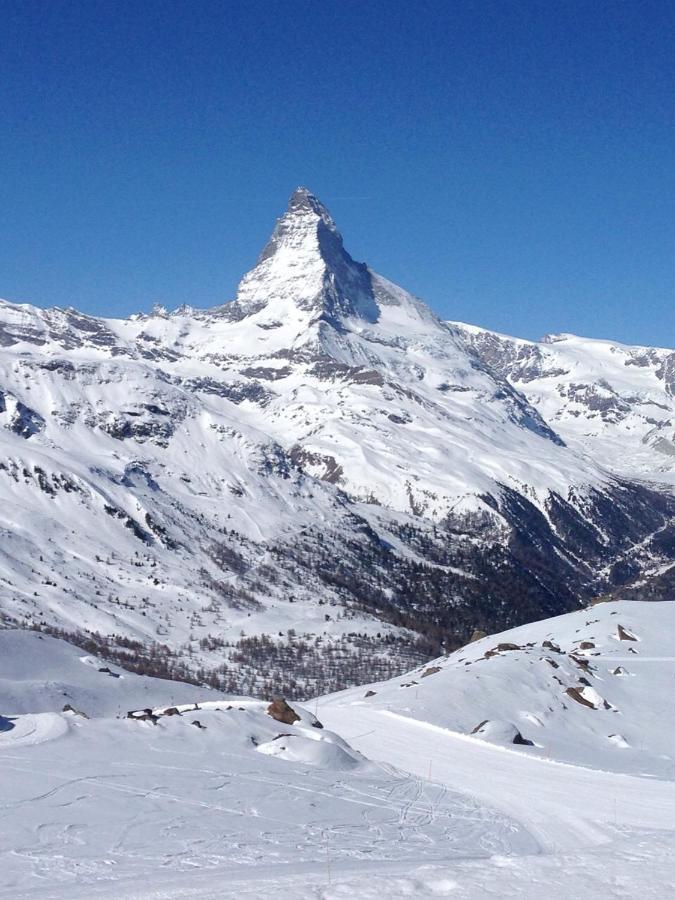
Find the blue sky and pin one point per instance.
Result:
(510, 162)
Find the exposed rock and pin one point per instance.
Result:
(370, 694)
(501, 648)
(501, 733)
(576, 694)
(76, 712)
(106, 671)
(143, 715)
(282, 712)
(625, 635)
(322, 465)
(582, 663)
(430, 671)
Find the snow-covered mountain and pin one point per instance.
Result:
(612, 401)
(608, 400)
(313, 484)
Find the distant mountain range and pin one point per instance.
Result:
(320, 482)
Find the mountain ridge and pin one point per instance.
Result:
(322, 457)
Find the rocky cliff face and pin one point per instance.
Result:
(317, 481)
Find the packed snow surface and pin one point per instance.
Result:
(148, 806)
(391, 798)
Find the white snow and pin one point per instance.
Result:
(185, 423)
(96, 807)
(109, 807)
(611, 400)
(628, 684)
(40, 674)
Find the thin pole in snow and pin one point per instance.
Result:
(328, 858)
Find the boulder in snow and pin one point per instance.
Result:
(500, 733)
(624, 635)
(282, 712)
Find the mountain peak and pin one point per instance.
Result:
(303, 199)
(304, 223)
(305, 266)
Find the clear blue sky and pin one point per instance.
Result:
(513, 163)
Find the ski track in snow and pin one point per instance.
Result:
(108, 808)
(572, 844)
(248, 807)
(175, 843)
(564, 806)
(85, 814)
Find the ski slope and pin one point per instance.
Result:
(122, 807)
(562, 806)
(379, 802)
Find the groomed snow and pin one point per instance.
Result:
(115, 808)
(208, 798)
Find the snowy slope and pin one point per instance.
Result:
(205, 797)
(40, 674)
(241, 805)
(314, 459)
(613, 401)
(590, 688)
